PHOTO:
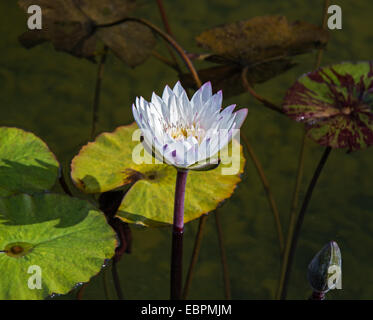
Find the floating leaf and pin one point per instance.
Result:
(262, 38)
(336, 104)
(131, 42)
(68, 28)
(107, 164)
(67, 238)
(264, 45)
(229, 77)
(73, 26)
(323, 266)
(26, 163)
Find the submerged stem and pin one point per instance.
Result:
(164, 60)
(167, 38)
(117, 286)
(261, 99)
(162, 12)
(323, 24)
(299, 222)
(293, 213)
(79, 295)
(193, 261)
(298, 180)
(96, 100)
(177, 236)
(167, 27)
(223, 256)
(266, 186)
(106, 288)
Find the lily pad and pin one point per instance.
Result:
(74, 26)
(336, 104)
(66, 239)
(131, 42)
(107, 164)
(68, 28)
(26, 163)
(265, 45)
(261, 38)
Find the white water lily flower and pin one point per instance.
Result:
(183, 132)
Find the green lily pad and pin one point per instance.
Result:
(336, 104)
(67, 238)
(26, 163)
(106, 164)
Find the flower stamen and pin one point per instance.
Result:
(182, 132)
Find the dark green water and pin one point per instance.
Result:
(50, 93)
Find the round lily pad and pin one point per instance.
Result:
(107, 164)
(336, 104)
(26, 163)
(49, 243)
(240, 41)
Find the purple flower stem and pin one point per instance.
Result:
(316, 295)
(177, 236)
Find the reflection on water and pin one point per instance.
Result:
(51, 93)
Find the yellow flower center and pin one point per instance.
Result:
(346, 110)
(182, 132)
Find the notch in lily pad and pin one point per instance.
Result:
(67, 238)
(17, 249)
(26, 163)
(336, 105)
(106, 164)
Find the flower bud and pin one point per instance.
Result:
(324, 271)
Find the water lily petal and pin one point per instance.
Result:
(178, 89)
(167, 93)
(240, 118)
